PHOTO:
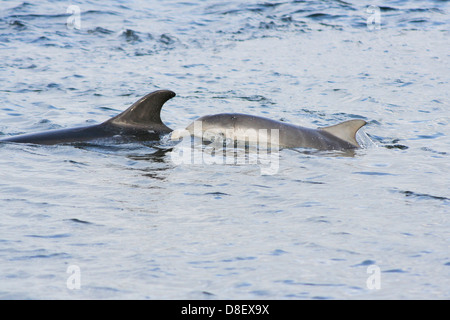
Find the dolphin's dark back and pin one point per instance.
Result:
(63, 136)
(143, 117)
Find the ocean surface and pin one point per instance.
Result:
(109, 220)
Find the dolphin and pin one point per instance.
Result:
(141, 120)
(243, 127)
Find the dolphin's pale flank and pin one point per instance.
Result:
(141, 120)
(242, 127)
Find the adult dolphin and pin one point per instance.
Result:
(254, 129)
(142, 119)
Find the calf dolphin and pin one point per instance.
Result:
(245, 127)
(142, 119)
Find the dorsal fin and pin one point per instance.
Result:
(346, 130)
(145, 113)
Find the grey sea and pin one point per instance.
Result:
(107, 220)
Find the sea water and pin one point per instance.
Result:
(125, 221)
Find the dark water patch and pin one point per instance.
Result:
(257, 98)
(143, 52)
(75, 220)
(396, 146)
(418, 20)
(238, 259)
(217, 195)
(435, 10)
(62, 255)
(53, 85)
(333, 26)
(364, 263)
(44, 121)
(407, 234)
(11, 112)
(387, 9)
(321, 298)
(388, 143)
(231, 12)
(268, 25)
(401, 83)
(76, 163)
(48, 42)
(101, 12)
(99, 30)
(262, 186)
(429, 136)
(53, 236)
(260, 293)
(374, 173)
(243, 285)
(78, 76)
(309, 182)
(194, 65)
(245, 258)
(167, 39)
(30, 66)
(151, 44)
(130, 36)
(24, 6)
(17, 25)
(259, 8)
(154, 176)
(269, 5)
(14, 114)
(158, 155)
(40, 39)
(427, 149)
(425, 196)
(32, 16)
(322, 16)
(315, 113)
(278, 252)
(395, 271)
(309, 284)
(319, 219)
(201, 295)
